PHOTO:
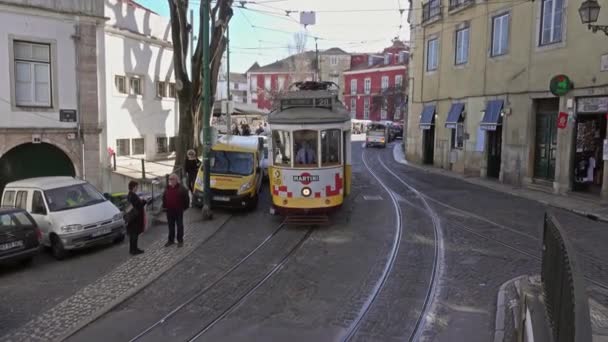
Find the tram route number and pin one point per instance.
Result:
(306, 178)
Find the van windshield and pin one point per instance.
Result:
(232, 163)
(71, 197)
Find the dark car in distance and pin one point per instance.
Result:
(19, 236)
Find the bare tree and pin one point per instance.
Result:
(189, 88)
(300, 63)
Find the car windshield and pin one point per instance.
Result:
(73, 196)
(232, 163)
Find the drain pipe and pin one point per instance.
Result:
(76, 38)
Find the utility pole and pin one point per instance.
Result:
(228, 96)
(207, 214)
(318, 67)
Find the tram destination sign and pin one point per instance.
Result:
(306, 102)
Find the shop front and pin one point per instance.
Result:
(427, 124)
(492, 124)
(590, 133)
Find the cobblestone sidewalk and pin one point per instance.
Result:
(581, 206)
(96, 299)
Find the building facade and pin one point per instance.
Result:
(480, 93)
(266, 82)
(332, 65)
(49, 95)
(238, 87)
(375, 85)
(139, 95)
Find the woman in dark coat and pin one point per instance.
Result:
(135, 224)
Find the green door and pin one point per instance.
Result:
(34, 160)
(545, 146)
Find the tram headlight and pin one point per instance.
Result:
(306, 192)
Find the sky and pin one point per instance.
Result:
(262, 32)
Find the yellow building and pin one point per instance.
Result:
(480, 98)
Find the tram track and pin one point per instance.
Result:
(487, 237)
(223, 276)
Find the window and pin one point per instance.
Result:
(268, 83)
(9, 199)
(232, 163)
(253, 83)
(38, 204)
(500, 34)
(397, 113)
(402, 57)
(432, 54)
(399, 81)
(353, 87)
(353, 106)
(383, 113)
(135, 85)
(21, 200)
(162, 145)
(172, 143)
(161, 89)
(23, 219)
(333, 60)
(551, 21)
(384, 82)
(73, 196)
(387, 58)
(172, 90)
(368, 86)
(138, 146)
(123, 147)
(281, 145)
(32, 74)
(366, 108)
(6, 220)
(458, 136)
(462, 46)
(330, 147)
(120, 82)
(281, 81)
(305, 148)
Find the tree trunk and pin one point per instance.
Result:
(186, 131)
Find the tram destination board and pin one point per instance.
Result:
(306, 102)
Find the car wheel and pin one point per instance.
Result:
(57, 249)
(119, 239)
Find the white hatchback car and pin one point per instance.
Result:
(70, 212)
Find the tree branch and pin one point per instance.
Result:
(179, 60)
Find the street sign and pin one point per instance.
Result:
(562, 120)
(67, 115)
(308, 18)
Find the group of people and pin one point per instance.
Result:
(245, 130)
(175, 200)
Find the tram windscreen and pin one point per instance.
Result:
(232, 163)
(330, 147)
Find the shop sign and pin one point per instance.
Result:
(560, 85)
(562, 120)
(592, 105)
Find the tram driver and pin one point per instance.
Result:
(306, 154)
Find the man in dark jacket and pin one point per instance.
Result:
(175, 200)
(136, 219)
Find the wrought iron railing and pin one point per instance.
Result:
(431, 10)
(563, 286)
(454, 4)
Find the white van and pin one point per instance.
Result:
(70, 212)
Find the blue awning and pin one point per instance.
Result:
(454, 115)
(427, 118)
(492, 118)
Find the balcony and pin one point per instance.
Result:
(459, 4)
(431, 11)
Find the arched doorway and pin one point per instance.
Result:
(34, 160)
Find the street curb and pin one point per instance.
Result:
(108, 307)
(501, 309)
(446, 173)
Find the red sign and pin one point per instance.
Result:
(306, 178)
(562, 120)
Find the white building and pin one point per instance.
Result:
(238, 87)
(139, 96)
(49, 99)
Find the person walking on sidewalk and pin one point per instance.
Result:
(135, 218)
(191, 166)
(175, 200)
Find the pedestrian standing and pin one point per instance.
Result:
(192, 165)
(135, 218)
(175, 200)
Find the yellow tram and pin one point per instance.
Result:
(309, 150)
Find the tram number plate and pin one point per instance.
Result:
(221, 198)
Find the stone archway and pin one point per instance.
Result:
(34, 160)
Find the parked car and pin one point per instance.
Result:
(70, 212)
(19, 236)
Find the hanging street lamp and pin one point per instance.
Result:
(589, 12)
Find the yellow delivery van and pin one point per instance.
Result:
(236, 174)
